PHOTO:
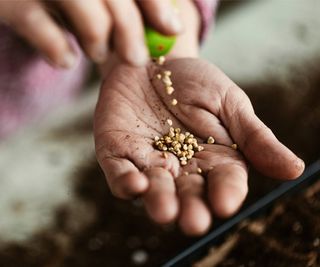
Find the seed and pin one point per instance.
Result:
(161, 60)
(158, 76)
(169, 122)
(210, 140)
(183, 162)
(199, 170)
(178, 144)
(165, 155)
(174, 102)
(169, 90)
(167, 81)
(234, 146)
(186, 173)
(167, 73)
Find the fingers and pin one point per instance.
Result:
(25, 17)
(194, 218)
(227, 188)
(93, 25)
(162, 15)
(124, 179)
(160, 200)
(129, 33)
(255, 140)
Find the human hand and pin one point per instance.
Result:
(92, 22)
(133, 108)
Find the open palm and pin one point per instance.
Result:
(133, 108)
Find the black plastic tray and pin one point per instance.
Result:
(200, 248)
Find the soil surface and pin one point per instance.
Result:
(288, 236)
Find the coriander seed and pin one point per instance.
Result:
(161, 60)
(210, 140)
(234, 146)
(167, 81)
(174, 102)
(169, 90)
(167, 73)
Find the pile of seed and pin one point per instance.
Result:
(183, 145)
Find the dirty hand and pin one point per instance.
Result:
(92, 22)
(133, 108)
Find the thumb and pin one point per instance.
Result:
(255, 140)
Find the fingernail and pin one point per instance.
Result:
(138, 55)
(172, 20)
(99, 53)
(301, 164)
(68, 60)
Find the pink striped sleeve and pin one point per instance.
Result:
(207, 9)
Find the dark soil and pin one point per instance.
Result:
(288, 236)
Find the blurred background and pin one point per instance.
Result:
(55, 207)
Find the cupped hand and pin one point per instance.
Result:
(133, 108)
(93, 22)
